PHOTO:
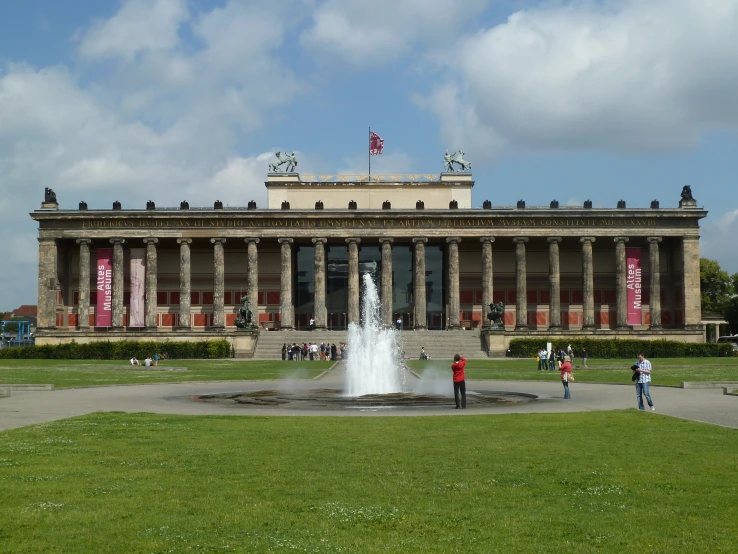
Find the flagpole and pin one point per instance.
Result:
(370, 154)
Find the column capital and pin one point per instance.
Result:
(218, 240)
(357, 240)
(251, 239)
(586, 239)
(416, 240)
(117, 241)
(453, 239)
(150, 240)
(487, 239)
(184, 241)
(284, 240)
(621, 239)
(652, 240)
(386, 239)
(84, 241)
(553, 240)
(520, 240)
(320, 240)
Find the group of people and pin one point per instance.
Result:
(547, 359)
(150, 361)
(313, 351)
(423, 354)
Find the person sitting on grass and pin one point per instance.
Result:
(134, 361)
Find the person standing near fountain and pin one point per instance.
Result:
(459, 381)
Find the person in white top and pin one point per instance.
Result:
(399, 323)
(147, 362)
(134, 361)
(643, 369)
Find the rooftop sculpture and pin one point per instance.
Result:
(458, 158)
(287, 160)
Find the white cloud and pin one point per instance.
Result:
(376, 32)
(630, 75)
(140, 25)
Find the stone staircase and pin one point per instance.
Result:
(438, 344)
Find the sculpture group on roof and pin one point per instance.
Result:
(458, 158)
(287, 160)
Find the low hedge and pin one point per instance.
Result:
(120, 350)
(622, 348)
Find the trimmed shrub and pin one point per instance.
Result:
(121, 350)
(622, 348)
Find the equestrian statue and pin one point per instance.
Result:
(458, 158)
(287, 160)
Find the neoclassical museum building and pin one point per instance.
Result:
(176, 273)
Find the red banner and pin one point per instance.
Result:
(104, 272)
(634, 280)
(376, 144)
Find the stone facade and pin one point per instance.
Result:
(557, 270)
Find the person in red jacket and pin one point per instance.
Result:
(459, 381)
(566, 376)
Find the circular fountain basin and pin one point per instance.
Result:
(335, 399)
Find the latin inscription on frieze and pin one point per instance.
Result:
(379, 223)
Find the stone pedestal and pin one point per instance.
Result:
(185, 287)
(83, 306)
(554, 284)
(521, 290)
(320, 310)
(419, 301)
(151, 284)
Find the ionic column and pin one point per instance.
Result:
(691, 283)
(185, 284)
(419, 284)
(621, 283)
(151, 284)
(83, 306)
(285, 297)
(353, 280)
(253, 278)
(487, 277)
(118, 284)
(218, 283)
(454, 305)
(588, 282)
(521, 292)
(654, 290)
(554, 284)
(47, 261)
(386, 309)
(320, 310)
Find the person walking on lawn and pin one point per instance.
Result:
(459, 381)
(566, 376)
(643, 369)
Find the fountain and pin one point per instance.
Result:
(375, 364)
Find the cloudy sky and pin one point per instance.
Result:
(186, 99)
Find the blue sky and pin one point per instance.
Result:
(167, 100)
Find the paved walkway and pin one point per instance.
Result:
(33, 407)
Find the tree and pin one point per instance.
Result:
(716, 286)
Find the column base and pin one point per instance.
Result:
(150, 329)
(117, 328)
(419, 328)
(453, 328)
(286, 328)
(623, 327)
(521, 327)
(85, 329)
(655, 327)
(555, 327)
(590, 327)
(183, 329)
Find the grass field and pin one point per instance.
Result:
(666, 371)
(595, 482)
(79, 373)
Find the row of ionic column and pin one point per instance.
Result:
(185, 280)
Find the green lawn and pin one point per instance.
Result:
(666, 371)
(591, 482)
(77, 373)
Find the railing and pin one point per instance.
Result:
(354, 178)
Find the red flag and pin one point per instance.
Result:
(376, 144)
